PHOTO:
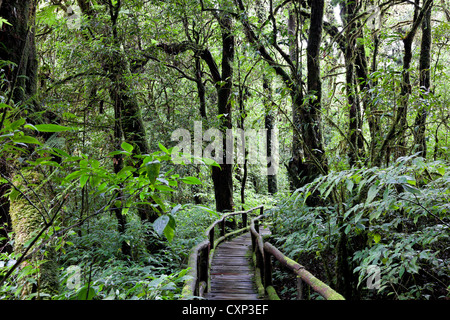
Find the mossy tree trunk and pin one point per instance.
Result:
(355, 121)
(425, 84)
(222, 177)
(28, 220)
(17, 46)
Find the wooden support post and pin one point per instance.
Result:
(203, 265)
(211, 238)
(244, 220)
(267, 269)
(253, 242)
(222, 227)
(299, 288)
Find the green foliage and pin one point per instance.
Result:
(93, 260)
(395, 218)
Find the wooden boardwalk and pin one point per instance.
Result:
(232, 273)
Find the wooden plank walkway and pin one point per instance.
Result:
(232, 273)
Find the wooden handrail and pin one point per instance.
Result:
(200, 256)
(263, 251)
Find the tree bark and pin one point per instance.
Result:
(18, 46)
(269, 124)
(351, 56)
(269, 119)
(222, 177)
(20, 80)
(424, 82)
(27, 220)
(311, 128)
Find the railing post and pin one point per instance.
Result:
(222, 227)
(203, 265)
(244, 219)
(253, 242)
(267, 269)
(211, 238)
(299, 288)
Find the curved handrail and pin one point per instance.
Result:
(200, 256)
(263, 251)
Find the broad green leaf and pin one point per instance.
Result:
(373, 190)
(162, 187)
(159, 202)
(153, 168)
(411, 189)
(165, 224)
(26, 139)
(175, 209)
(73, 175)
(191, 180)
(169, 232)
(61, 152)
(48, 127)
(348, 228)
(127, 147)
(210, 211)
(441, 170)
(83, 180)
(16, 124)
(84, 294)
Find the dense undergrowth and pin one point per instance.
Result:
(395, 224)
(92, 265)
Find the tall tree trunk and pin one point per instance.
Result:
(118, 165)
(269, 124)
(18, 46)
(269, 119)
(425, 79)
(296, 166)
(222, 177)
(27, 221)
(20, 81)
(351, 54)
(311, 111)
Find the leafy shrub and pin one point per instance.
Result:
(394, 218)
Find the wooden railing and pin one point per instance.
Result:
(201, 255)
(262, 253)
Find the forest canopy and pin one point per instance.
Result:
(128, 127)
